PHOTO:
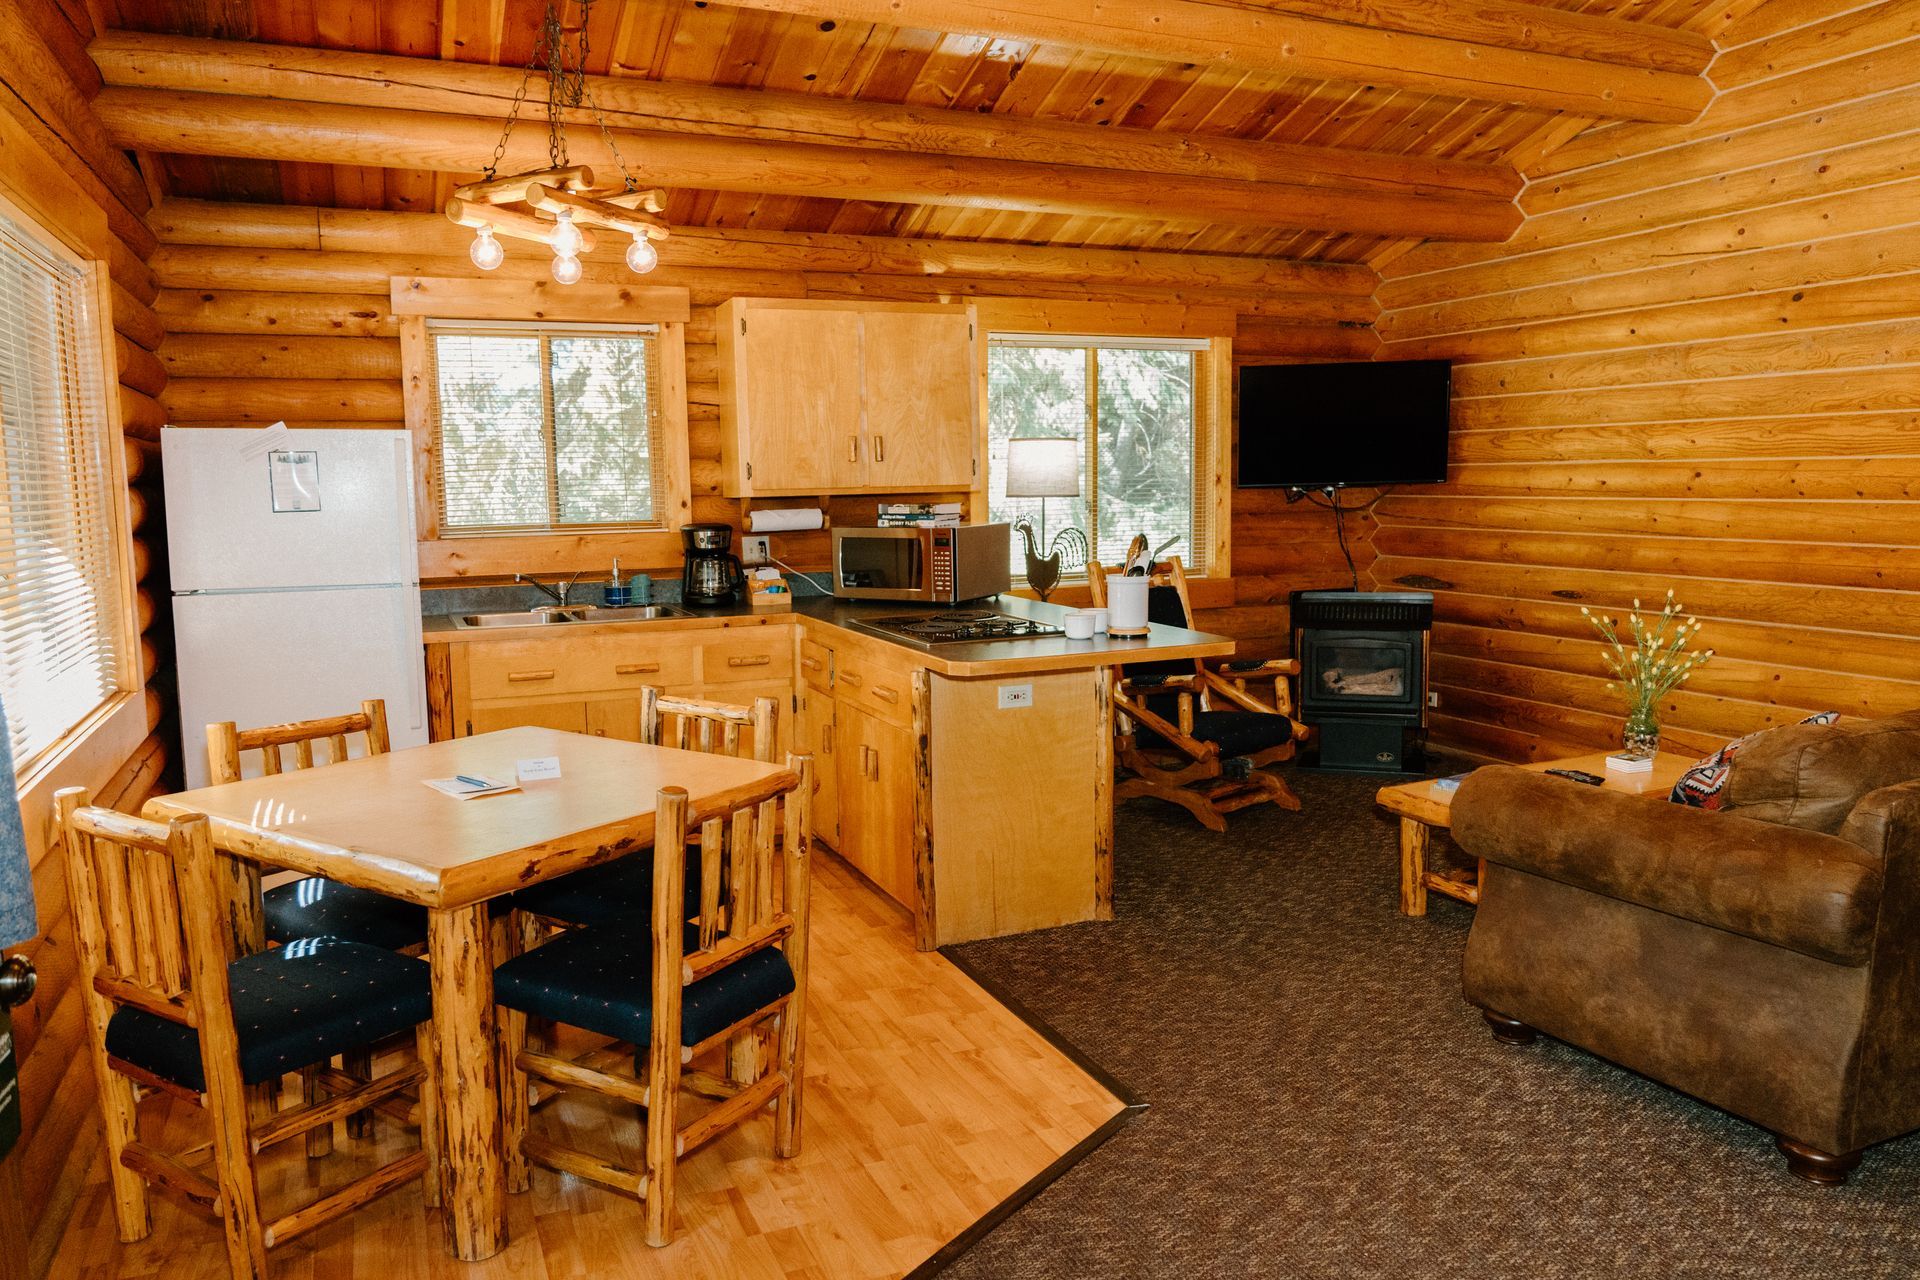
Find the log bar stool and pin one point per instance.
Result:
(313, 907)
(167, 1006)
(623, 890)
(668, 995)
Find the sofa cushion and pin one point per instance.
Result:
(1705, 785)
(1808, 892)
(1811, 776)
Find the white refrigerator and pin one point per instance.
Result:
(296, 582)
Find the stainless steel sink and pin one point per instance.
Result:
(551, 616)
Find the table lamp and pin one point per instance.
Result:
(1043, 467)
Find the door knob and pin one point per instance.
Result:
(17, 981)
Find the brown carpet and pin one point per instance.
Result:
(1322, 1102)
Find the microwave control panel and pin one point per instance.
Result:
(942, 567)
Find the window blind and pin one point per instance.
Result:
(546, 427)
(59, 646)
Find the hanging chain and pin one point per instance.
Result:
(566, 89)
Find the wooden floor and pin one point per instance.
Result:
(927, 1104)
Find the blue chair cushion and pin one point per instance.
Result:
(317, 908)
(601, 979)
(614, 893)
(293, 1006)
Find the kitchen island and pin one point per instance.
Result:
(971, 781)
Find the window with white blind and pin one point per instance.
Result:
(1140, 412)
(549, 427)
(59, 636)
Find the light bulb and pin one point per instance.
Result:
(641, 255)
(486, 251)
(566, 269)
(566, 236)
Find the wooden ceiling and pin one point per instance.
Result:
(1051, 70)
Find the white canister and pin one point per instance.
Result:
(1126, 605)
(1100, 619)
(1079, 624)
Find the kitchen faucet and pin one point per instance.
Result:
(559, 597)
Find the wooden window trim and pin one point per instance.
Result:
(1214, 375)
(472, 557)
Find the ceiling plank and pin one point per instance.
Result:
(1490, 62)
(229, 125)
(133, 60)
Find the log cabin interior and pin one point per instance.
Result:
(839, 638)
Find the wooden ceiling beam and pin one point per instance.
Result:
(1489, 52)
(255, 226)
(137, 60)
(229, 125)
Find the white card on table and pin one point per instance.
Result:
(537, 768)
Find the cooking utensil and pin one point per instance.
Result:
(1136, 549)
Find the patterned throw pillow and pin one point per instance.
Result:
(1704, 785)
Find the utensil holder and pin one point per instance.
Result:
(1126, 605)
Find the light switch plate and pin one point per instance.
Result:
(1015, 695)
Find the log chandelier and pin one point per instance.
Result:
(557, 206)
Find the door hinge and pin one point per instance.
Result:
(469, 732)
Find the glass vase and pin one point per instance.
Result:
(1642, 736)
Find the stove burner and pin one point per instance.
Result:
(959, 625)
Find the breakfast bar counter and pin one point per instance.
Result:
(971, 781)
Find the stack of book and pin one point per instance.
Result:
(1621, 762)
(893, 514)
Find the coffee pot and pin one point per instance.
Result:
(713, 575)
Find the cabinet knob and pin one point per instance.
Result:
(848, 678)
(636, 668)
(879, 448)
(750, 660)
(885, 694)
(853, 448)
(521, 677)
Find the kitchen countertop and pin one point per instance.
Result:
(985, 658)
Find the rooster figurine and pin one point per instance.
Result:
(1068, 551)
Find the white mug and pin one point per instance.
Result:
(1079, 624)
(1099, 617)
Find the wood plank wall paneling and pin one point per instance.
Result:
(49, 82)
(1696, 365)
(256, 334)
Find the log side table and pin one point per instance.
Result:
(1421, 809)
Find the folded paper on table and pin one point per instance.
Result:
(785, 520)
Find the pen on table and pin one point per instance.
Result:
(482, 783)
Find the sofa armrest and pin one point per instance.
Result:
(1812, 893)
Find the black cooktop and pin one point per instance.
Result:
(958, 626)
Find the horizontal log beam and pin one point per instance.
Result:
(136, 60)
(227, 125)
(202, 222)
(1263, 38)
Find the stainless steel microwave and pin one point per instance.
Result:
(939, 564)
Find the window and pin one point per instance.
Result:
(545, 428)
(1142, 414)
(59, 603)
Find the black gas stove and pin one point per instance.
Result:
(957, 626)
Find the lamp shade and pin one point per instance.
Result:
(1043, 467)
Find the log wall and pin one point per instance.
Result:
(54, 153)
(282, 313)
(1696, 365)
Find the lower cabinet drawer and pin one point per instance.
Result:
(764, 656)
(577, 665)
(884, 692)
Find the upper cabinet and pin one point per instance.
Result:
(846, 397)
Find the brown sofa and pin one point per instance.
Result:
(1764, 958)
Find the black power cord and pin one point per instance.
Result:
(1329, 498)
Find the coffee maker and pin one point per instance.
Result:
(713, 575)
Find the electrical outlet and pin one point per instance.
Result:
(1433, 698)
(755, 549)
(1013, 696)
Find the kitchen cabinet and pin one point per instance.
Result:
(591, 683)
(846, 397)
(813, 730)
(874, 761)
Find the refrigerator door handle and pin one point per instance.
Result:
(409, 643)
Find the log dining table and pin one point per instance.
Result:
(374, 824)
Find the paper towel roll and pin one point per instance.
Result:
(785, 519)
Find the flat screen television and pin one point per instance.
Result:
(1320, 426)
